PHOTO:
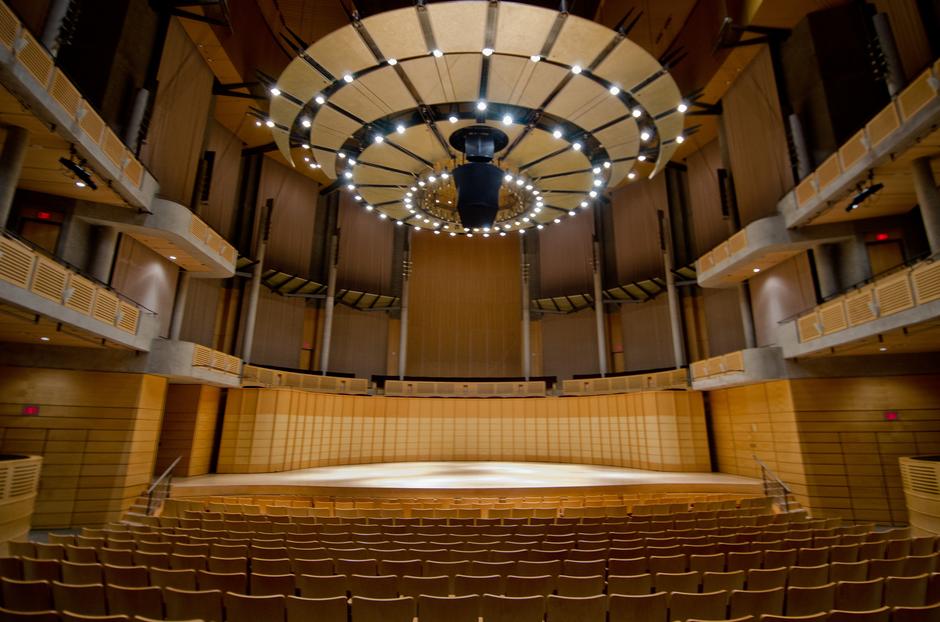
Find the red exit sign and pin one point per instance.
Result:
(30, 409)
(891, 415)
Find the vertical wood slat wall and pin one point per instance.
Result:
(828, 439)
(97, 433)
(269, 430)
(188, 428)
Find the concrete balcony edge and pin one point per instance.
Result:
(174, 359)
(760, 365)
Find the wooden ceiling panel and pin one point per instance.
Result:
(376, 95)
(372, 175)
(522, 29)
(380, 195)
(459, 26)
(627, 65)
(536, 89)
(301, 80)
(577, 181)
(397, 33)
(331, 128)
(341, 52)
(580, 42)
(508, 76)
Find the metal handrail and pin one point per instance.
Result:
(164, 483)
(769, 479)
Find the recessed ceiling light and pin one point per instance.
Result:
(481, 105)
(576, 69)
(172, 257)
(597, 183)
(631, 175)
(43, 339)
(342, 156)
(592, 193)
(637, 113)
(756, 270)
(596, 170)
(369, 208)
(305, 122)
(572, 212)
(400, 128)
(607, 164)
(680, 139)
(507, 178)
(320, 100)
(584, 204)
(269, 123)
(883, 349)
(540, 227)
(80, 184)
(305, 146)
(452, 119)
(682, 107)
(383, 215)
(275, 91)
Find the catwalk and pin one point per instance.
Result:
(397, 479)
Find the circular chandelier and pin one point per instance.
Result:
(419, 112)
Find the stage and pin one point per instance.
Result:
(402, 479)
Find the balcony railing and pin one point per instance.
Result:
(216, 361)
(672, 379)
(255, 376)
(731, 363)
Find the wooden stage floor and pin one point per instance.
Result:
(403, 479)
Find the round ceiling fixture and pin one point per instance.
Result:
(562, 105)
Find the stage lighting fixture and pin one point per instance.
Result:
(863, 195)
(82, 177)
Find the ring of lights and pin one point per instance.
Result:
(374, 103)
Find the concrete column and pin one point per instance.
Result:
(895, 78)
(329, 304)
(826, 272)
(255, 289)
(599, 312)
(179, 305)
(747, 315)
(132, 133)
(58, 9)
(928, 198)
(403, 331)
(526, 324)
(854, 264)
(672, 294)
(102, 255)
(11, 165)
(804, 165)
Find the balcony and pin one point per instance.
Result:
(44, 301)
(738, 368)
(253, 376)
(885, 146)
(173, 231)
(186, 363)
(761, 245)
(899, 312)
(658, 381)
(37, 95)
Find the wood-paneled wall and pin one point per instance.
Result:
(279, 331)
(97, 433)
(360, 341)
(569, 344)
(757, 142)
(180, 113)
(290, 247)
(465, 316)
(636, 229)
(909, 34)
(779, 293)
(566, 256)
(365, 249)
(219, 211)
(828, 439)
(268, 430)
(147, 278)
(647, 335)
(709, 227)
(188, 428)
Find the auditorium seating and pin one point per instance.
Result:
(751, 564)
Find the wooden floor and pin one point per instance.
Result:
(402, 479)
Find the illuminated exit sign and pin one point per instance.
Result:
(891, 415)
(30, 409)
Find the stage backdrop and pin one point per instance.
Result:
(268, 430)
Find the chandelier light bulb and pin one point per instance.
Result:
(320, 100)
(637, 113)
(275, 91)
(557, 133)
(481, 105)
(437, 53)
(348, 78)
(682, 107)
(615, 90)
(576, 69)
(400, 128)
(535, 58)
(487, 51)
(392, 62)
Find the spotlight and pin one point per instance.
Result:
(863, 195)
(383, 215)
(607, 164)
(576, 69)
(637, 113)
(576, 146)
(437, 53)
(507, 120)
(258, 122)
(592, 194)
(596, 170)
(47, 339)
(631, 175)
(682, 107)
(369, 208)
(507, 178)
(348, 78)
(572, 213)
(452, 118)
(320, 100)
(557, 221)
(487, 51)
(481, 106)
(379, 138)
(305, 146)
(305, 122)
(755, 270)
(269, 123)
(535, 58)
(641, 158)
(83, 177)
(645, 135)
(445, 175)
(680, 139)
(392, 62)
(275, 91)
(615, 90)
(342, 156)
(400, 128)
(557, 133)
(584, 204)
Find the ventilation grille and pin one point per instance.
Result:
(894, 294)
(806, 190)
(202, 356)
(705, 262)
(228, 252)
(920, 476)
(927, 282)
(9, 26)
(113, 148)
(213, 241)
(65, 93)
(106, 307)
(884, 123)
(721, 252)
(832, 316)
(860, 307)
(129, 318)
(49, 280)
(853, 150)
(134, 171)
(91, 124)
(808, 327)
(733, 362)
(24, 479)
(829, 170)
(917, 95)
(81, 295)
(737, 242)
(35, 59)
(16, 263)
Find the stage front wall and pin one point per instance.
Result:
(269, 430)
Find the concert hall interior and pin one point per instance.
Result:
(470, 310)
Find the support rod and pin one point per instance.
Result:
(329, 304)
(255, 290)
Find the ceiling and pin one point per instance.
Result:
(20, 326)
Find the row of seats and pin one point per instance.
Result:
(218, 606)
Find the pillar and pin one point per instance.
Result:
(403, 327)
(599, 312)
(255, 287)
(826, 273)
(102, 255)
(672, 294)
(329, 304)
(526, 323)
(179, 305)
(895, 78)
(58, 9)
(11, 165)
(928, 198)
